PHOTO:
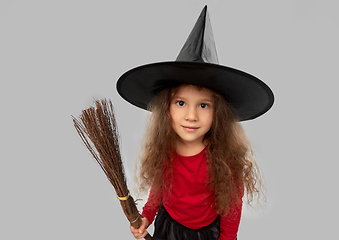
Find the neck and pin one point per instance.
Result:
(189, 149)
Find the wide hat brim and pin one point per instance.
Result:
(248, 95)
(197, 64)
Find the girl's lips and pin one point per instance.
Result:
(190, 129)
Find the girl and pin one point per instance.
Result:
(203, 177)
(196, 158)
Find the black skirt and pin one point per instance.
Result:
(166, 228)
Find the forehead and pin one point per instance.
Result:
(193, 90)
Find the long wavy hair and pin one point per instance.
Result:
(232, 168)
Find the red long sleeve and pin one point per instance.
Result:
(229, 225)
(150, 209)
(190, 201)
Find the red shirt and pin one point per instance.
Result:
(190, 200)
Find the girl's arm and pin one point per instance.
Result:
(149, 211)
(229, 224)
(151, 207)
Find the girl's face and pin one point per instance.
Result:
(191, 111)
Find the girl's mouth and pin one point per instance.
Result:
(190, 129)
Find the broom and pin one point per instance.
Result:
(98, 131)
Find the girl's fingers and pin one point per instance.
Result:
(140, 232)
(142, 235)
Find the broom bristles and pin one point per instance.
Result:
(98, 131)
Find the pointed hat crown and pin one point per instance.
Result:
(200, 45)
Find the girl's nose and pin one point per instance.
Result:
(191, 114)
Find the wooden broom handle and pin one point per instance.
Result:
(148, 237)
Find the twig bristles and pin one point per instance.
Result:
(98, 131)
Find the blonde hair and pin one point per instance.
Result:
(232, 168)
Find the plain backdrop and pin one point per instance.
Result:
(56, 57)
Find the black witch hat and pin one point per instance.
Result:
(197, 64)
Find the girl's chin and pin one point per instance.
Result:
(191, 141)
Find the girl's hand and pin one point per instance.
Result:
(141, 231)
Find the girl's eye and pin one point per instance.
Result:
(180, 103)
(203, 105)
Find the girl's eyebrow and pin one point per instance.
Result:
(200, 100)
(179, 96)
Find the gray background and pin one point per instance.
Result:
(56, 56)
